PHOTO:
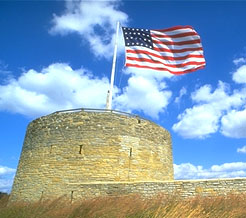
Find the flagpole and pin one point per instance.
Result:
(110, 92)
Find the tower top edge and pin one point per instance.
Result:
(94, 111)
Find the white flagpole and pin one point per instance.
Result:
(110, 92)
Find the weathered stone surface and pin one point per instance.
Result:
(62, 149)
(179, 188)
(83, 155)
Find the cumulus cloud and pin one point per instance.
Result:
(242, 150)
(239, 76)
(239, 61)
(209, 107)
(226, 170)
(5, 74)
(149, 74)
(56, 87)
(59, 87)
(233, 124)
(182, 92)
(6, 178)
(146, 91)
(6, 170)
(144, 95)
(221, 99)
(197, 122)
(220, 110)
(94, 21)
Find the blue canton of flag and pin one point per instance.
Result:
(137, 37)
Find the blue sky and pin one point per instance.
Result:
(57, 55)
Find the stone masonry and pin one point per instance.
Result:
(63, 149)
(85, 154)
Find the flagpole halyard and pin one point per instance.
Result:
(110, 92)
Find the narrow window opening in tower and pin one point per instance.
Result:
(139, 121)
(130, 152)
(51, 148)
(41, 197)
(71, 196)
(80, 149)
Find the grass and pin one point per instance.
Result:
(129, 207)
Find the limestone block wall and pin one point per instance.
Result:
(178, 188)
(63, 149)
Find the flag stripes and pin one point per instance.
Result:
(163, 57)
(161, 68)
(177, 50)
(191, 42)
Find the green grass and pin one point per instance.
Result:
(130, 207)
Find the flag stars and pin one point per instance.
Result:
(137, 37)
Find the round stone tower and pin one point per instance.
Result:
(90, 146)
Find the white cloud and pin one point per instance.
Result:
(182, 92)
(56, 87)
(242, 150)
(204, 94)
(204, 117)
(146, 91)
(6, 185)
(6, 178)
(6, 170)
(144, 95)
(5, 74)
(226, 170)
(239, 61)
(229, 167)
(95, 21)
(59, 87)
(149, 74)
(239, 76)
(234, 124)
(197, 122)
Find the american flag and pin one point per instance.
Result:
(177, 50)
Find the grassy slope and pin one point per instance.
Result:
(129, 206)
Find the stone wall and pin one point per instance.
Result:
(83, 155)
(63, 149)
(179, 188)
